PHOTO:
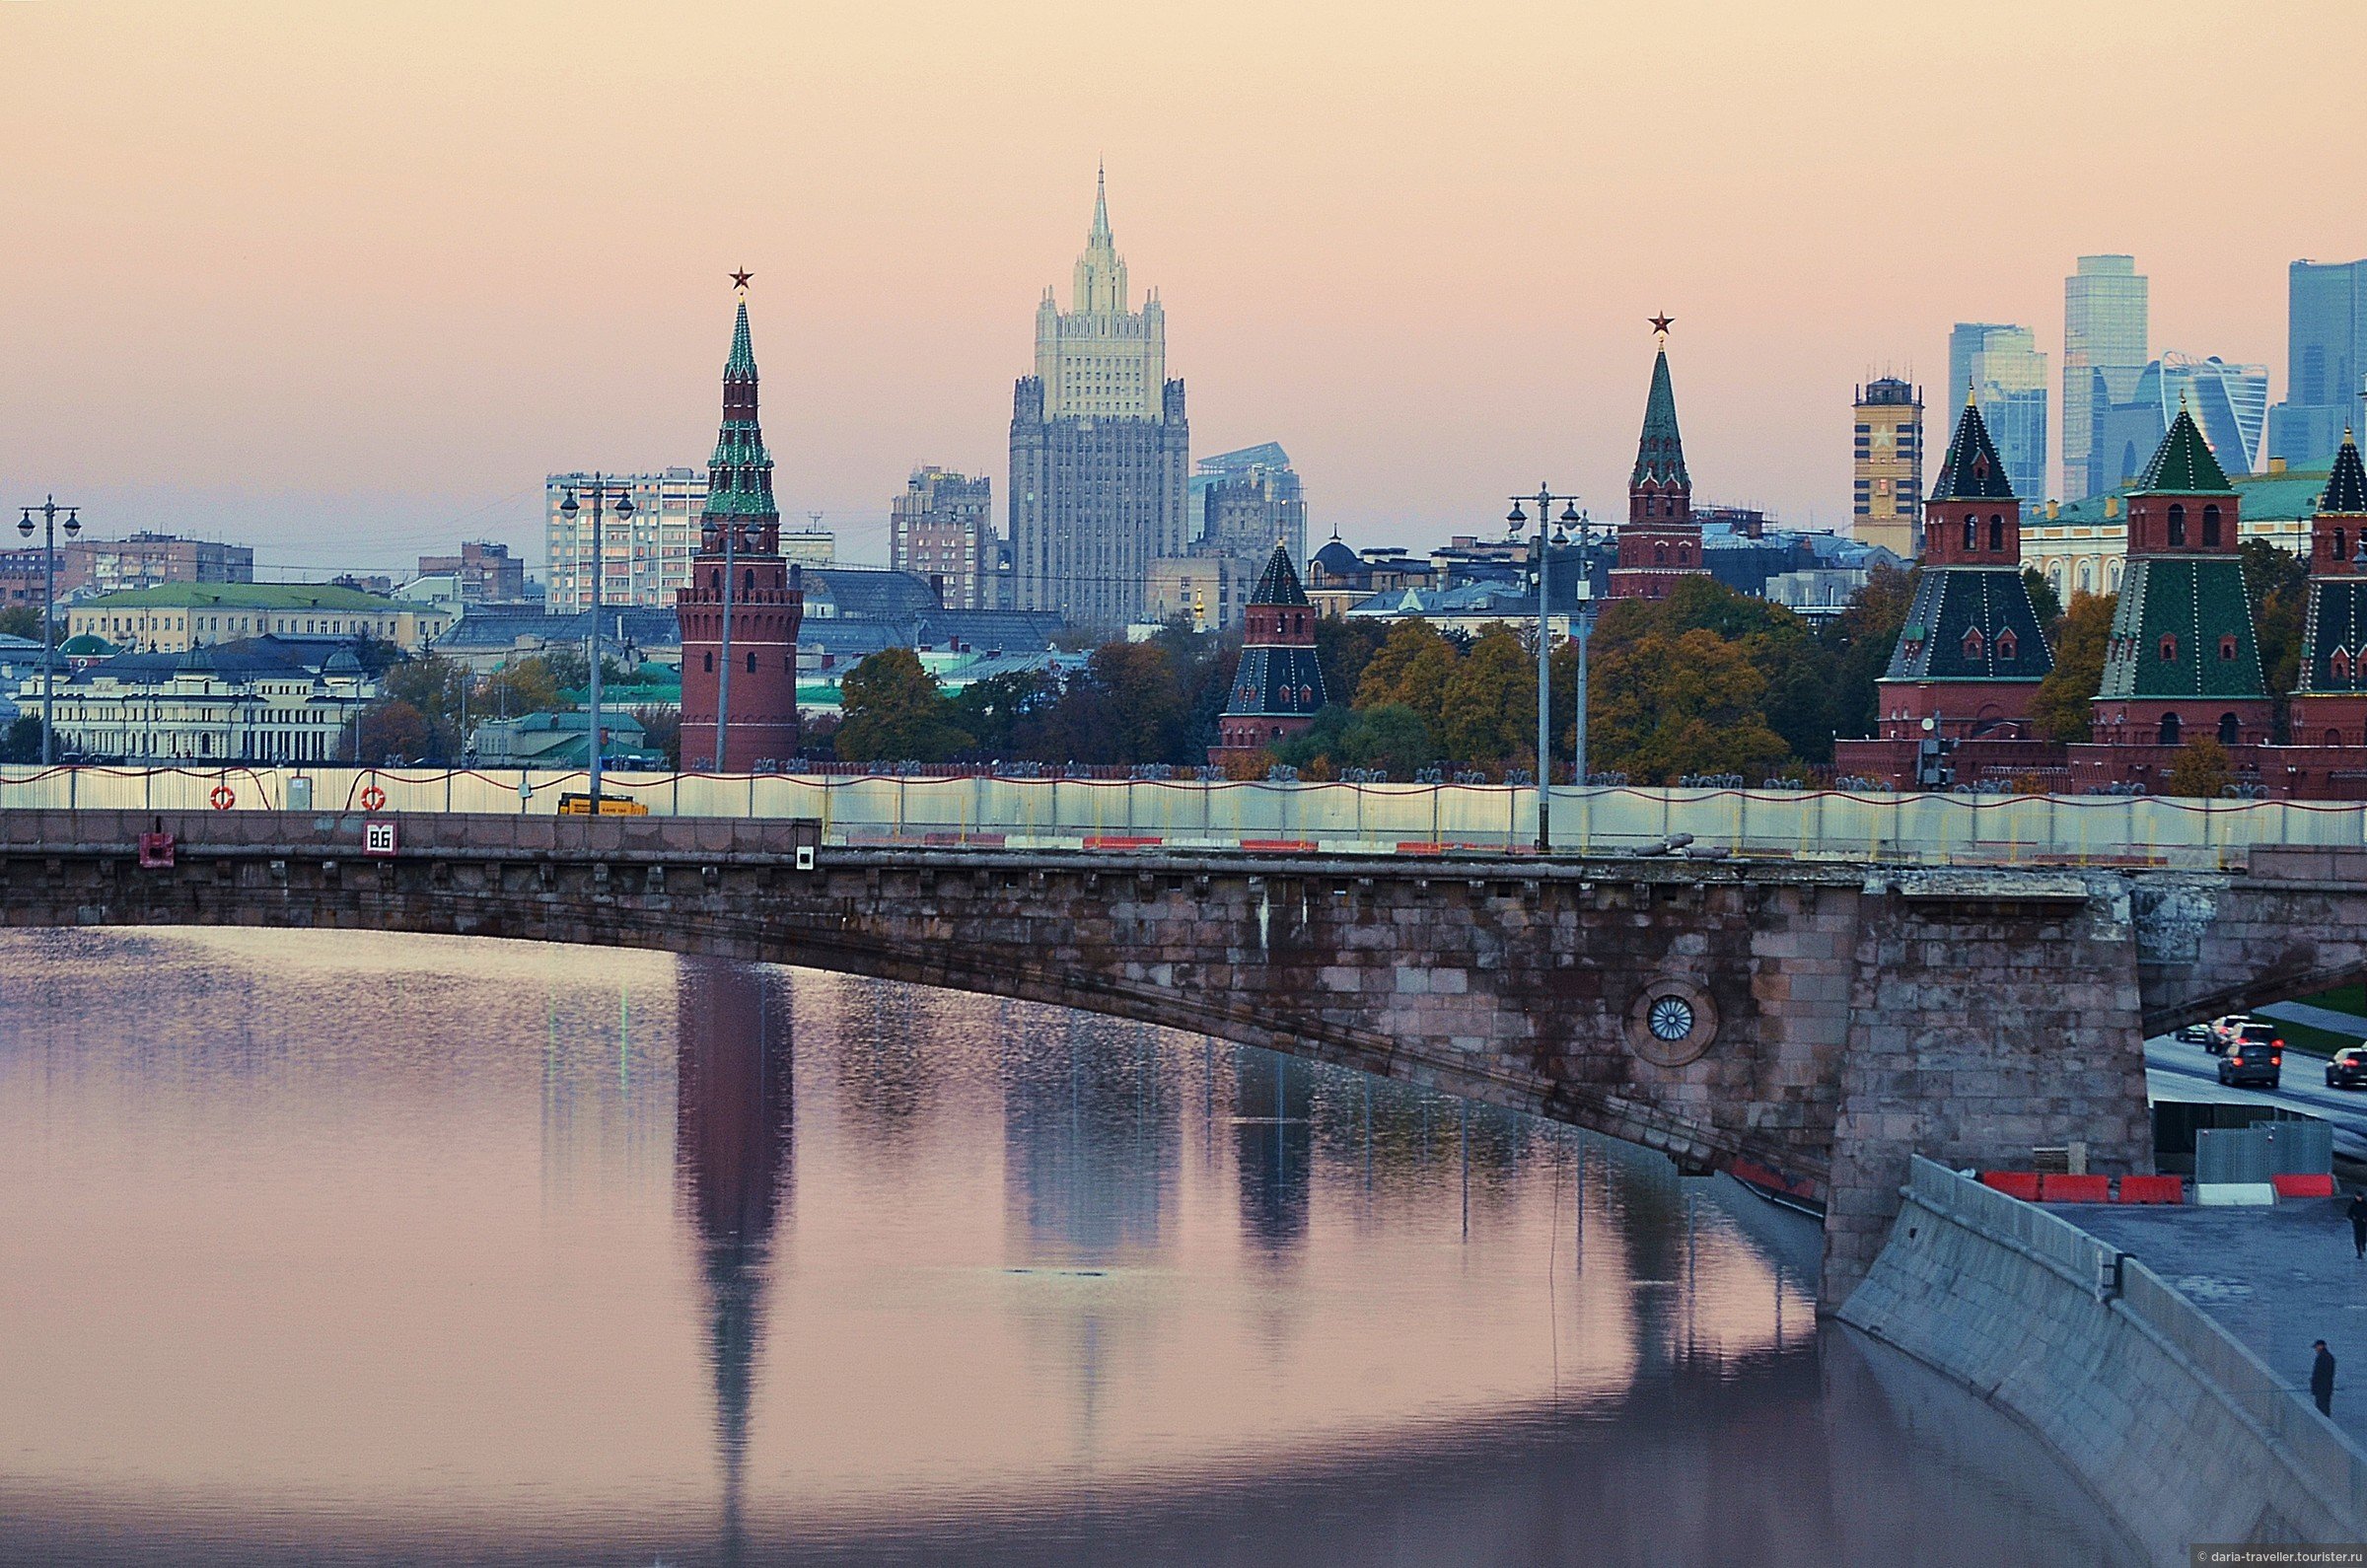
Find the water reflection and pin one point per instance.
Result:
(375, 1249)
(735, 1113)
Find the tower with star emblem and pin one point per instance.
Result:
(1659, 545)
(741, 609)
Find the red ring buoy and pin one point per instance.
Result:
(373, 798)
(223, 797)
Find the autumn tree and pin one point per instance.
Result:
(1857, 644)
(2277, 583)
(1488, 708)
(1342, 649)
(893, 711)
(2058, 709)
(1410, 668)
(2203, 768)
(1664, 706)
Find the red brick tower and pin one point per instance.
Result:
(740, 613)
(2331, 708)
(1661, 544)
(1278, 686)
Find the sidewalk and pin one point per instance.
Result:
(2277, 1278)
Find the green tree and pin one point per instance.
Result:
(1410, 668)
(2058, 710)
(662, 731)
(1392, 738)
(1342, 649)
(2277, 583)
(1858, 643)
(21, 742)
(1143, 706)
(2202, 769)
(392, 733)
(992, 711)
(2042, 601)
(437, 689)
(21, 621)
(893, 711)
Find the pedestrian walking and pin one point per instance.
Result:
(2358, 1222)
(2322, 1379)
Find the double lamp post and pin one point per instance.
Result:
(601, 490)
(50, 509)
(1552, 532)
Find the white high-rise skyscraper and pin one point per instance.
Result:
(1099, 447)
(2104, 331)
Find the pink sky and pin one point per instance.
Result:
(346, 281)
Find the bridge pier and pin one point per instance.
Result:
(1813, 1021)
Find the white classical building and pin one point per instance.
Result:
(1100, 447)
(261, 700)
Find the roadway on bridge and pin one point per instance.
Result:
(2174, 1070)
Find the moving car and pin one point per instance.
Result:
(2196, 1033)
(2223, 1031)
(2256, 1063)
(2348, 1068)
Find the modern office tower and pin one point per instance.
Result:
(2326, 360)
(1888, 504)
(2001, 367)
(1244, 503)
(1099, 447)
(2229, 403)
(740, 603)
(942, 529)
(2105, 347)
(648, 553)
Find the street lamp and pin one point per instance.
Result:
(49, 510)
(1546, 537)
(600, 488)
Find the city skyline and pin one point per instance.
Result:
(358, 330)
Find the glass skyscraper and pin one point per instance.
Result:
(2001, 368)
(2229, 401)
(2326, 360)
(2104, 305)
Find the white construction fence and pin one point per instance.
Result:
(1182, 813)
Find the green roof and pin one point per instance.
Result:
(2287, 497)
(2337, 621)
(77, 647)
(2346, 487)
(1973, 471)
(2195, 601)
(2182, 465)
(1951, 605)
(244, 596)
(1279, 583)
(1660, 452)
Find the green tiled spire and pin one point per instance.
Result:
(1973, 471)
(740, 473)
(2182, 465)
(2346, 487)
(1659, 453)
(2183, 628)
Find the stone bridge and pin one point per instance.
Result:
(1807, 1021)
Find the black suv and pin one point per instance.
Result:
(2348, 1068)
(2254, 1057)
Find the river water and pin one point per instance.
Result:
(360, 1248)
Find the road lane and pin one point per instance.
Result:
(2174, 1070)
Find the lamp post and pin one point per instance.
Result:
(1549, 532)
(568, 509)
(49, 510)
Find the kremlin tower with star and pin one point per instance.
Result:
(740, 613)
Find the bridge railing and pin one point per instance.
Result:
(1841, 824)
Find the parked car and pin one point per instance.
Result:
(2348, 1068)
(2223, 1031)
(2257, 1063)
(2196, 1035)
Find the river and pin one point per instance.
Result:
(359, 1249)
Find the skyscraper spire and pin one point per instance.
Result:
(1101, 282)
(1099, 235)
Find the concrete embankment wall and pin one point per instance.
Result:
(2181, 1432)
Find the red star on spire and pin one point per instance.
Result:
(1661, 323)
(739, 279)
